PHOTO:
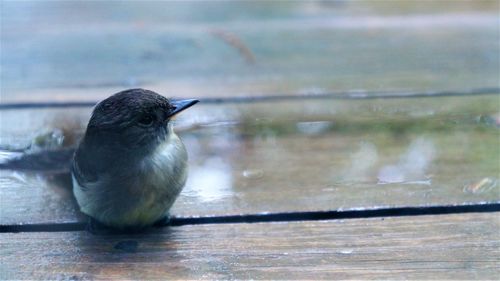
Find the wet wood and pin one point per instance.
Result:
(463, 246)
(251, 159)
(274, 157)
(270, 47)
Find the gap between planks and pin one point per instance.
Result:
(278, 217)
(347, 95)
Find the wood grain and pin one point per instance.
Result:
(252, 158)
(463, 246)
(298, 47)
(272, 157)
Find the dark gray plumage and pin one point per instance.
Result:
(130, 166)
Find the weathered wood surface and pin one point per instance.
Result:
(251, 158)
(463, 246)
(269, 157)
(244, 49)
(272, 157)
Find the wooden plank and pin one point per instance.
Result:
(252, 159)
(461, 246)
(297, 47)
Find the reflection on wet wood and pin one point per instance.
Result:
(303, 156)
(444, 247)
(275, 157)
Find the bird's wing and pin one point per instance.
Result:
(84, 170)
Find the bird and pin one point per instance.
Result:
(130, 166)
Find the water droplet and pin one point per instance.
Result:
(129, 246)
(346, 251)
(481, 186)
(313, 128)
(253, 174)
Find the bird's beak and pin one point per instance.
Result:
(180, 105)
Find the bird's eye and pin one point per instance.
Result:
(146, 120)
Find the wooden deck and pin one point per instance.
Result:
(310, 187)
(234, 172)
(427, 247)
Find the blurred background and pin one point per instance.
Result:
(284, 155)
(86, 50)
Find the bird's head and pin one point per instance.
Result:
(134, 118)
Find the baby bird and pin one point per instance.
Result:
(130, 165)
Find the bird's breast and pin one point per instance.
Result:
(164, 172)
